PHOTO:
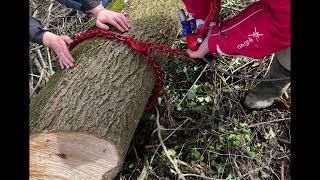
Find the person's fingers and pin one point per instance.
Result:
(101, 25)
(191, 54)
(125, 19)
(66, 39)
(63, 59)
(66, 52)
(61, 64)
(201, 51)
(116, 25)
(197, 54)
(68, 64)
(121, 22)
(194, 54)
(61, 50)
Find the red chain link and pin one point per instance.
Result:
(142, 47)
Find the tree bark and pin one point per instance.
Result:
(82, 121)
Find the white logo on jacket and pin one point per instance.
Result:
(255, 34)
(247, 42)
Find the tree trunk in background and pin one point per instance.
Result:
(83, 120)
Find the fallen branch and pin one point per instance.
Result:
(237, 168)
(282, 170)
(165, 149)
(158, 146)
(44, 66)
(268, 122)
(251, 172)
(181, 176)
(196, 175)
(38, 83)
(144, 173)
(269, 65)
(49, 61)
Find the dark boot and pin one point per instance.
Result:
(265, 93)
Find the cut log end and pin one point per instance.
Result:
(71, 155)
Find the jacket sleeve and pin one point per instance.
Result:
(261, 29)
(199, 9)
(89, 4)
(36, 30)
(80, 5)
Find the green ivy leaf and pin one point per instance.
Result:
(195, 154)
(269, 135)
(220, 168)
(243, 124)
(236, 87)
(264, 174)
(195, 87)
(193, 104)
(254, 113)
(247, 137)
(236, 142)
(235, 121)
(191, 95)
(185, 70)
(200, 99)
(173, 171)
(229, 177)
(172, 152)
(221, 127)
(208, 99)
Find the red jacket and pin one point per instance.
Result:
(260, 29)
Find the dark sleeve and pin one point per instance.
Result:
(89, 4)
(80, 5)
(36, 30)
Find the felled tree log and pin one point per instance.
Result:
(82, 121)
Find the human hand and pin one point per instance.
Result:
(202, 50)
(103, 16)
(59, 45)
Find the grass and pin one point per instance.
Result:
(210, 134)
